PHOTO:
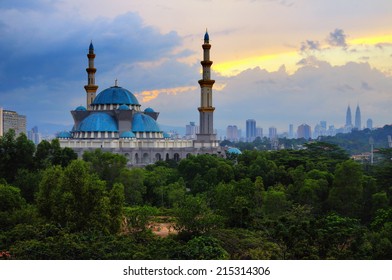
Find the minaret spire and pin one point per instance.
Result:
(206, 135)
(91, 87)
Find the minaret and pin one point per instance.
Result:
(91, 87)
(206, 110)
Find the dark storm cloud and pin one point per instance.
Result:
(337, 38)
(43, 57)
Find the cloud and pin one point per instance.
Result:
(309, 95)
(337, 38)
(310, 45)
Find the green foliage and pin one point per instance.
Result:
(133, 182)
(194, 216)
(107, 165)
(15, 153)
(345, 196)
(77, 199)
(204, 248)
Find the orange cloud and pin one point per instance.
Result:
(149, 95)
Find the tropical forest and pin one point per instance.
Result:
(288, 204)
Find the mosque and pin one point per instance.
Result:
(114, 121)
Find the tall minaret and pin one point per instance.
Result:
(206, 110)
(91, 87)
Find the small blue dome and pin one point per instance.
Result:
(98, 122)
(64, 134)
(115, 95)
(144, 123)
(234, 151)
(81, 108)
(128, 134)
(166, 135)
(149, 110)
(123, 107)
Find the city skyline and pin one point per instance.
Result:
(292, 73)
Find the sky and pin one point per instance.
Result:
(279, 62)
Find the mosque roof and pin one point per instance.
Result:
(115, 95)
(80, 108)
(64, 134)
(166, 135)
(123, 107)
(127, 134)
(98, 122)
(144, 123)
(149, 110)
(234, 151)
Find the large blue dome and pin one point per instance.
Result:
(98, 122)
(144, 123)
(115, 95)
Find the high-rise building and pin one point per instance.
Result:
(191, 130)
(349, 123)
(12, 120)
(358, 124)
(369, 123)
(272, 133)
(291, 131)
(304, 131)
(250, 130)
(34, 135)
(232, 133)
(259, 132)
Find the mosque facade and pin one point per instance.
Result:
(114, 121)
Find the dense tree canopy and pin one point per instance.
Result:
(313, 203)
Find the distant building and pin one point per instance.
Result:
(320, 129)
(369, 123)
(358, 123)
(191, 130)
(34, 135)
(250, 130)
(232, 133)
(291, 131)
(272, 133)
(304, 131)
(349, 124)
(12, 120)
(259, 132)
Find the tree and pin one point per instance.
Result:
(194, 216)
(15, 153)
(116, 200)
(133, 182)
(74, 198)
(107, 165)
(345, 196)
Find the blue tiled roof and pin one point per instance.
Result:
(144, 123)
(81, 108)
(149, 110)
(123, 107)
(234, 151)
(64, 134)
(166, 135)
(116, 95)
(128, 134)
(98, 122)
(91, 47)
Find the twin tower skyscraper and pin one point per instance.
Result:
(358, 124)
